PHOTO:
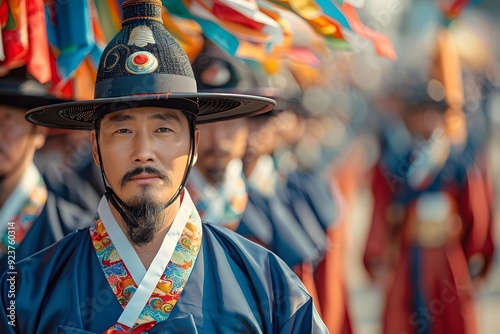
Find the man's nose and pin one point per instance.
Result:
(143, 148)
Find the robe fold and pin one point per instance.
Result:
(277, 229)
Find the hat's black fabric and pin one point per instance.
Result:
(214, 71)
(416, 90)
(19, 89)
(143, 65)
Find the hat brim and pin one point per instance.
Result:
(26, 101)
(212, 107)
(282, 101)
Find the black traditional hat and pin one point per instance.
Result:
(423, 93)
(215, 71)
(19, 89)
(143, 65)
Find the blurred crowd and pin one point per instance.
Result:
(418, 134)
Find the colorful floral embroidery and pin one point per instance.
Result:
(171, 283)
(28, 214)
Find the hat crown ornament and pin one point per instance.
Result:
(144, 56)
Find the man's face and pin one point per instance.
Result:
(144, 153)
(423, 120)
(219, 143)
(261, 138)
(19, 139)
(290, 127)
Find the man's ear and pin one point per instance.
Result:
(95, 154)
(196, 142)
(39, 136)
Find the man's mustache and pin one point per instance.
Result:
(3, 150)
(144, 170)
(214, 150)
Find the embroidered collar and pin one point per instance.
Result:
(264, 176)
(22, 208)
(147, 296)
(19, 196)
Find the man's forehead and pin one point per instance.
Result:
(144, 112)
(224, 125)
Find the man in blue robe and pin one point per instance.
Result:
(147, 263)
(32, 215)
(216, 183)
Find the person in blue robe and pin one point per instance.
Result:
(148, 263)
(288, 238)
(216, 183)
(266, 219)
(32, 215)
(229, 291)
(277, 229)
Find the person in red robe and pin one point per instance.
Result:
(431, 223)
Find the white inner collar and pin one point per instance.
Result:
(146, 280)
(19, 196)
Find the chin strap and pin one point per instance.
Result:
(122, 208)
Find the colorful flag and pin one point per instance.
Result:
(24, 37)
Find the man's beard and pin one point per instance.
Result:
(144, 216)
(216, 175)
(146, 220)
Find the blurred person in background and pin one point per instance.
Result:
(216, 182)
(219, 185)
(63, 161)
(267, 220)
(431, 218)
(304, 158)
(33, 213)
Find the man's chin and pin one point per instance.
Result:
(139, 203)
(143, 192)
(144, 184)
(3, 172)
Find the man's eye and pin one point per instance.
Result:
(123, 131)
(163, 130)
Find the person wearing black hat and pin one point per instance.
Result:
(147, 263)
(32, 215)
(220, 189)
(216, 182)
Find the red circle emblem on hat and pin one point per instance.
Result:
(141, 62)
(140, 59)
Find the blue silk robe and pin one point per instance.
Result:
(236, 286)
(271, 223)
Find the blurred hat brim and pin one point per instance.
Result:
(25, 93)
(27, 102)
